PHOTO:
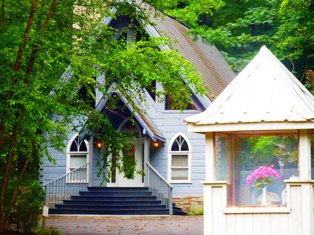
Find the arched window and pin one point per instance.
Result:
(77, 157)
(179, 160)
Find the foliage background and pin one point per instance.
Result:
(49, 50)
(240, 27)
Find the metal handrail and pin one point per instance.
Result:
(67, 185)
(160, 187)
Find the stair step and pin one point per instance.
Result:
(113, 198)
(115, 193)
(111, 202)
(110, 212)
(114, 201)
(111, 207)
(117, 189)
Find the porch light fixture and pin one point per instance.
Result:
(156, 144)
(99, 144)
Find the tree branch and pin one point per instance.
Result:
(49, 15)
(35, 51)
(2, 13)
(18, 62)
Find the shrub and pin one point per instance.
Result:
(49, 231)
(196, 211)
(28, 207)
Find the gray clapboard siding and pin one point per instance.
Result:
(50, 171)
(171, 123)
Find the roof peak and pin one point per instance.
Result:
(264, 91)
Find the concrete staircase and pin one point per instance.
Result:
(114, 201)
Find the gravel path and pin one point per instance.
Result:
(128, 225)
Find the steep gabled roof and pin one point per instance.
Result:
(264, 92)
(209, 62)
(139, 113)
(214, 70)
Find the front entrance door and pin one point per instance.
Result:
(120, 180)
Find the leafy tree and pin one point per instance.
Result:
(269, 150)
(240, 27)
(49, 50)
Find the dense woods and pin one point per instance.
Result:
(49, 50)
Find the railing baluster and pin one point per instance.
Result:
(160, 187)
(63, 187)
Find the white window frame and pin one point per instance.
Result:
(68, 157)
(171, 153)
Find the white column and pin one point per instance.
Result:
(307, 195)
(146, 159)
(90, 160)
(305, 155)
(210, 157)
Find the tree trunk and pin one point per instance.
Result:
(15, 192)
(2, 13)
(6, 176)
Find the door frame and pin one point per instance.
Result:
(140, 142)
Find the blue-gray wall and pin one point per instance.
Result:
(171, 123)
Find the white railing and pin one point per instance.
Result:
(66, 186)
(160, 187)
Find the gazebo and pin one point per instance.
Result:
(259, 163)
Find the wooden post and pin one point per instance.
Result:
(307, 186)
(305, 155)
(90, 161)
(146, 159)
(210, 157)
(45, 216)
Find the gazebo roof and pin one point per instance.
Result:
(264, 96)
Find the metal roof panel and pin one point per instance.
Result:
(264, 91)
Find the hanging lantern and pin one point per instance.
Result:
(99, 144)
(156, 144)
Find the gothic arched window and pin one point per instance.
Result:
(77, 158)
(179, 160)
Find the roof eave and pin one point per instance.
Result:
(252, 127)
(149, 132)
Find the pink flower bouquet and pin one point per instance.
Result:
(262, 175)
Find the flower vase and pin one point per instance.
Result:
(264, 196)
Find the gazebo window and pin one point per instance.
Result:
(243, 160)
(179, 160)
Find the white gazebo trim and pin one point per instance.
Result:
(305, 155)
(257, 210)
(248, 209)
(229, 127)
(264, 99)
(264, 91)
(298, 182)
(215, 183)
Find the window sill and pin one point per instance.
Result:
(257, 210)
(180, 182)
